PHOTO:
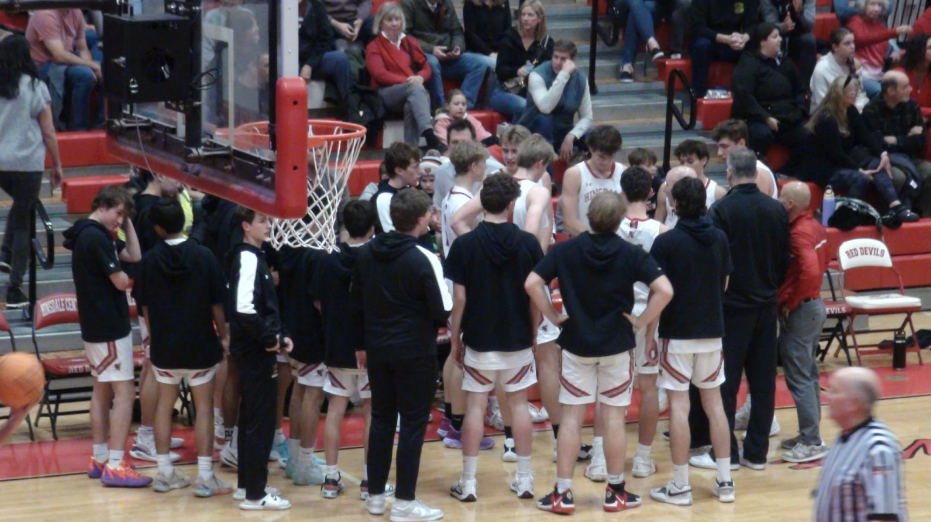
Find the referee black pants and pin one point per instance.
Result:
(749, 345)
(405, 387)
(258, 377)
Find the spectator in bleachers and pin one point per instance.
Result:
(845, 9)
(720, 31)
(436, 25)
(26, 116)
(59, 49)
(454, 111)
(896, 119)
(641, 17)
(917, 66)
(872, 36)
(771, 96)
(523, 47)
(249, 67)
(839, 62)
(559, 91)
(486, 22)
(318, 56)
(843, 153)
(399, 71)
(678, 12)
(795, 20)
(351, 20)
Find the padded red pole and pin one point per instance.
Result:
(291, 153)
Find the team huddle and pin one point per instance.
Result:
(363, 320)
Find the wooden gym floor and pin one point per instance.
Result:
(782, 492)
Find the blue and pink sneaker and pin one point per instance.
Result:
(124, 476)
(95, 469)
(453, 440)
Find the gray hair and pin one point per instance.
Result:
(388, 10)
(742, 163)
(861, 6)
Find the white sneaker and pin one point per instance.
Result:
(269, 503)
(523, 486)
(308, 475)
(537, 415)
(415, 511)
(493, 418)
(163, 484)
(751, 465)
(229, 456)
(240, 493)
(742, 418)
(774, 429)
(643, 468)
(597, 470)
(704, 461)
(144, 449)
(805, 453)
(724, 491)
(509, 454)
(663, 400)
(219, 433)
(176, 443)
(464, 491)
(375, 504)
(671, 494)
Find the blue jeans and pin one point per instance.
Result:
(640, 19)
(704, 51)
(545, 125)
(844, 10)
(871, 87)
(510, 105)
(80, 82)
(469, 67)
(856, 183)
(334, 67)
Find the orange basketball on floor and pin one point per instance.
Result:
(22, 380)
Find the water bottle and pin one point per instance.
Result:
(827, 206)
(898, 351)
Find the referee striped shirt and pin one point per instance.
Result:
(863, 477)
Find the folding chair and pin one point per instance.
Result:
(859, 254)
(67, 373)
(5, 327)
(837, 311)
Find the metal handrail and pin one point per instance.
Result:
(39, 257)
(673, 110)
(593, 50)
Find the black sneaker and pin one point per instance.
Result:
(657, 54)
(15, 298)
(898, 215)
(617, 499)
(585, 452)
(558, 503)
(627, 77)
(5, 267)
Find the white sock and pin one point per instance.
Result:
(615, 479)
(234, 440)
(164, 464)
(493, 402)
(204, 467)
(523, 465)
(217, 414)
(279, 436)
(306, 456)
(469, 465)
(101, 452)
(643, 452)
(145, 431)
(724, 469)
(116, 457)
(294, 446)
(680, 475)
(332, 471)
(365, 472)
(563, 484)
(598, 448)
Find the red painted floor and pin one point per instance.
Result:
(39, 459)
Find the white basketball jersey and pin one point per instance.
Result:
(640, 232)
(710, 187)
(671, 217)
(456, 198)
(520, 207)
(591, 185)
(762, 166)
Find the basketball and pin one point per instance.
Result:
(21, 380)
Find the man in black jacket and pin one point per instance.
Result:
(318, 55)
(757, 229)
(256, 335)
(720, 30)
(399, 295)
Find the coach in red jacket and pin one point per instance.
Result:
(801, 316)
(399, 69)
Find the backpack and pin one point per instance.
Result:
(849, 213)
(365, 107)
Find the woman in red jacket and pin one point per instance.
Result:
(917, 65)
(399, 68)
(872, 37)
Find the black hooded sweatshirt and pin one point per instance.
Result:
(180, 284)
(295, 282)
(696, 258)
(596, 275)
(103, 309)
(252, 304)
(399, 295)
(492, 262)
(331, 282)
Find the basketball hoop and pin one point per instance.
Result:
(334, 147)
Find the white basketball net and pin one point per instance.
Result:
(328, 169)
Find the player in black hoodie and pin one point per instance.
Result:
(181, 289)
(256, 335)
(488, 267)
(345, 352)
(399, 296)
(597, 272)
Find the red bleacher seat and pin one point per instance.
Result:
(713, 112)
(79, 193)
(825, 23)
(363, 173)
(778, 156)
(83, 149)
(719, 75)
(910, 249)
(15, 20)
